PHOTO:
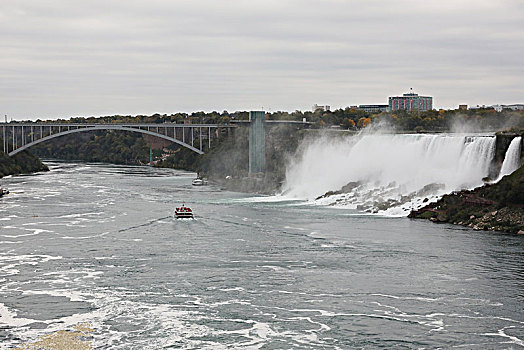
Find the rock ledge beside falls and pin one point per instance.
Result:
(493, 207)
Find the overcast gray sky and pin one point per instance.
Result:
(62, 58)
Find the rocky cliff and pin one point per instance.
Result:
(494, 207)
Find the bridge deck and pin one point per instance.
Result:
(143, 125)
(18, 136)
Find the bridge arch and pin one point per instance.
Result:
(104, 127)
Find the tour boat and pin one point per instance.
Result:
(183, 212)
(199, 182)
(3, 191)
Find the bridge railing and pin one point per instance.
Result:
(19, 136)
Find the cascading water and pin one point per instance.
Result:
(388, 174)
(511, 159)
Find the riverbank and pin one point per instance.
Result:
(22, 163)
(495, 207)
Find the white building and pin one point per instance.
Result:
(514, 107)
(479, 107)
(499, 108)
(320, 108)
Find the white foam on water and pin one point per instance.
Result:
(424, 299)
(9, 264)
(35, 231)
(184, 325)
(295, 228)
(85, 237)
(512, 339)
(8, 317)
(75, 274)
(69, 294)
(235, 289)
(81, 215)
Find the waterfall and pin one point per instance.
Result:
(511, 159)
(388, 174)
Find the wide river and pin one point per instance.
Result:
(96, 247)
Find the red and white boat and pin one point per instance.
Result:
(183, 212)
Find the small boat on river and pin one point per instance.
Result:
(183, 212)
(199, 181)
(3, 191)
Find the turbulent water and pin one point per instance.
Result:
(94, 248)
(512, 158)
(389, 174)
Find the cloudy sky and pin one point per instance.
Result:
(61, 58)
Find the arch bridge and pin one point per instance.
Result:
(20, 136)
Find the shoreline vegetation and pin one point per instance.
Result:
(22, 163)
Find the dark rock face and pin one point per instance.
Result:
(496, 207)
(345, 189)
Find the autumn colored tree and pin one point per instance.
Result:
(348, 123)
(363, 122)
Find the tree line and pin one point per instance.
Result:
(21, 163)
(486, 119)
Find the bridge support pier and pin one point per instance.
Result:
(257, 142)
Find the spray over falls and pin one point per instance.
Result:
(388, 174)
(512, 158)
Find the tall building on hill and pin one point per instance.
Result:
(411, 102)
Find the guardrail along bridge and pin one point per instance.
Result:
(20, 136)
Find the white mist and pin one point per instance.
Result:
(512, 158)
(395, 173)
